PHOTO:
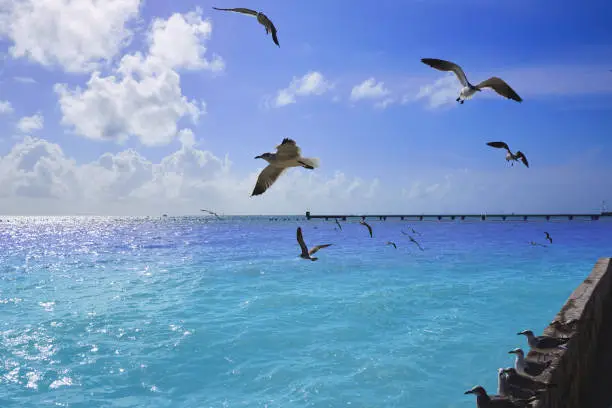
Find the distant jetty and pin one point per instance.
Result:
(482, 217)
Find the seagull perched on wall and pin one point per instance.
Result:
(287, 155)
(495, 83)
(512, 385)
(548, 237)
(362, 222)
(525, 367)
(306, 254)
(511, 157)
(544, 344)
(261, 19)
(483, 400)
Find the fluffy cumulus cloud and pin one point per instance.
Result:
(29, 124)
(312, 83)
(443, 91)
(75, 35)
(5, 107)
(372, 90)
(143, 98)
(37, 177)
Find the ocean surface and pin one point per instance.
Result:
(199, 312)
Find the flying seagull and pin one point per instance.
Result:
(483, 400)
(414, 241)
(287, 155)
(548, 237)
(392, 243)
(338, 224)
(362, 222)
(525, 367)
(495, 83)
(261, 19)
(511, 157)
(306, 254)
(544, 344)
(212, 213)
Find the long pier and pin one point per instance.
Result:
(482, 217)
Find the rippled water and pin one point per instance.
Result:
(194, 312)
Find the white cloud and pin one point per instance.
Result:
(443, 91)
(312, 83)
(76, 35)
(369, 89)
(28, 124)
(36, 177)
(24, 80)
(5, 107)
(144, 97)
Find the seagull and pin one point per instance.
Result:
(338, 224)
(414, 240)
(306, 254)
(413, 231)
(483, 400)
(495, 83)
(212, 213)
(514, 386)
(511, 157)
(287, 155)
(525, 367)
(392, 243)
(362, 222)
(548, 237)
(544, 344)
(261, 19)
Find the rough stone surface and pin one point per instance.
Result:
(581, 376)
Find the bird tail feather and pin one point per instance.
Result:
(311, 162)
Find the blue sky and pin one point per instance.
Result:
(131, 107)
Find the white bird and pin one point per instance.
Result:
(261, 19)
(544, 344)
(287, 155)
(495, 83)
(525, 367)
(511, 157)
(306, 254)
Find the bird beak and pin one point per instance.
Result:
(511, 352)
(469, 392)
(258, 157)
(519, 333)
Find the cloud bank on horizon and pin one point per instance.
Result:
(124, 107)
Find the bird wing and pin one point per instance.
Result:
(520, 155)
(315, 249)
(300, 240)
(417, 244)
(287, 150)
(339, 226)
(443, 65)
(548, 237)
(274, 36)
(239, 10)
(501, 87)
(392, 243)
(266, 178)
(534, 368)
(550, 342)
(499, 145)
(368, 227)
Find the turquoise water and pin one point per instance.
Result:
(194, 312)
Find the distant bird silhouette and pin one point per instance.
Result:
(537, 244)
(306, 254)
(525, 367)
(338, 224)
(483, 400)
(287, 155)
(511, 157)
(548, 237)
(261, 19)
(544, 344)
(367, 226)
(392, 243)
(211, 213)
(495, 83)
(414, 241)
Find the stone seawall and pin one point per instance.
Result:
(582, 374)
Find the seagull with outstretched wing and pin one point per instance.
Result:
(306, 254)
(261, 19)
(510, 157)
